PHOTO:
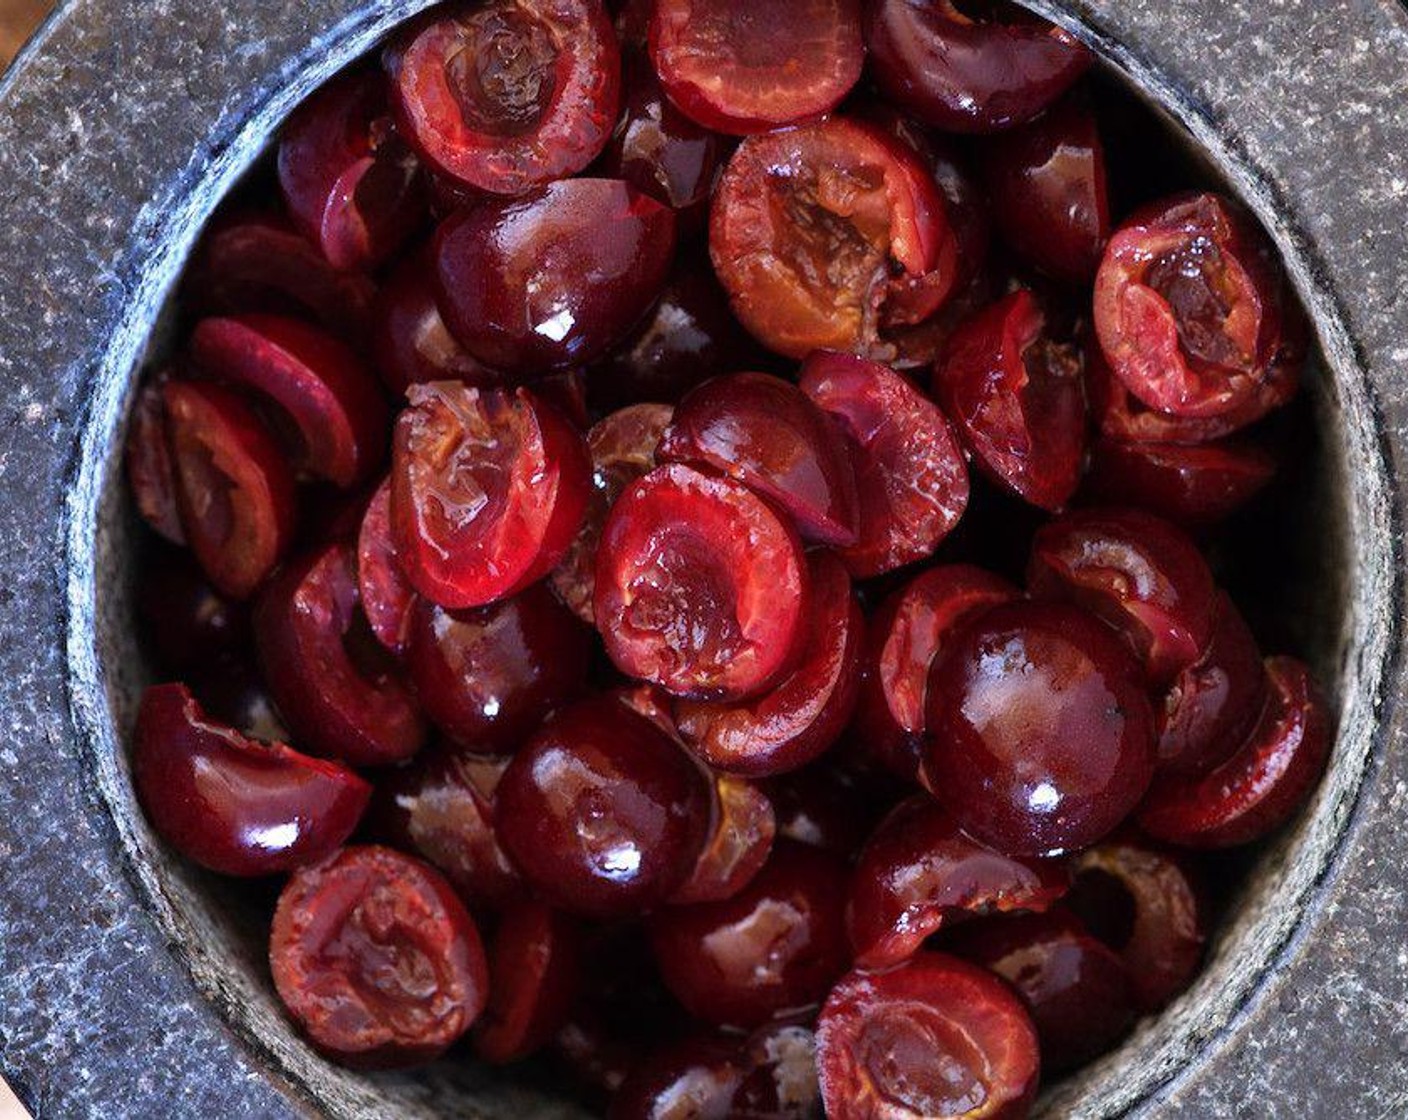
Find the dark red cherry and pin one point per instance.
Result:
(912, 482)
(602, 812)
(802, 715)
(825, 807)
(774, 947)
(534, 972)
(509, 94)
(739, 843)
(553, 278)
(486, 676)
(935, 1037)
(965, 74)
(694, 1078)
(701, 587)
(185, 621)
(488, 489)
(1039, 733)
(388, 599)
(150, 472)
(232, 804)
(1193, 485)
(334, 684)
(233, 486)
(1265, 781)
(376, 959)
(781, 1081)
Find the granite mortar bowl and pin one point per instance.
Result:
(133, 985)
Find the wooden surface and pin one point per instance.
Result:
(18, 18)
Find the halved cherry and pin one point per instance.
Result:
(487, 491)
(738, 846)
(232, 804)
(150, 473)
(965, 74)
(811, 225)
(1193, 311)
(805, 713)
(376, 958)
(694, 1077)
(1141, 574)
(350, 182)
(1265, 781)
(1017, 393)
(566, 391)
(233, 486)
(388, 599)
(336, 422)
(534, 971)
(622, 447)
(918, 872)
(509, 94)
(780, 1082)
(701, 587)
(486, 676)
(742, 67)
(187, 623)
(825, 807)
(1191, 484)
(903, 637)
(334, 684)
(556, 277)
(935, 1037)
(912, 481)
(767, 434)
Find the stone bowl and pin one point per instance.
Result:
(130, 989)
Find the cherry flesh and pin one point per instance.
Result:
(534, 970)
(780, 1082)
(696, 1078)
(739, 843)
(388, 599)
(1193, 485)
(151, 475)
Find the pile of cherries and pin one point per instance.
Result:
(716, 503)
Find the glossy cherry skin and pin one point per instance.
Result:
(739, 843)
(1017, 394)
(805, 712)
(232, 804)
(1193, 485)
(508, 95)
(151, 476)
(742, 67)
(1193, 312)
(602, 812)
(910, 475)
(233, 486)
(534, 972)
(935, 1037)
(773, 948)
(555, 277)
(376, 959)
(340, 700)
(388, 599)
(969, 75)
(350, 183)
(1265, 781)
(766, 433)
(488, 489)
(809, 226)
(324, 399)
(918, 872)
(696, 1077)
(701, 588)
(1139, 573)
(487, 675)
(1039, 734)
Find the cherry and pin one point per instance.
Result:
(935, 1037)
(1016, 392)
(351, 184)
(1039, 735)
(969, 74)
(534, 969)
(780, 1081)
(376, 959)
(825, 807)
(323, 399)
(903, 637)
(232, 804)
(601, 811)
(696, 1077)
(774, 947)
(151, 476)
(811, 225)
(183, 618)
(1260, 787)
(803, 714)
(767, 434)
(739, 843)
(487, 491)
(555, 277)
(912, 482)
(487, 675)
(918, 873)
(700, 587)
(742, 67)
(1079, 993)
(1193, 485)
(1193, 313)
(388, 599)
(1139, 573)
(622, 448)
(508, 94)
(338, 696)
(232, 691)
(566, 391)
(233, 487)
